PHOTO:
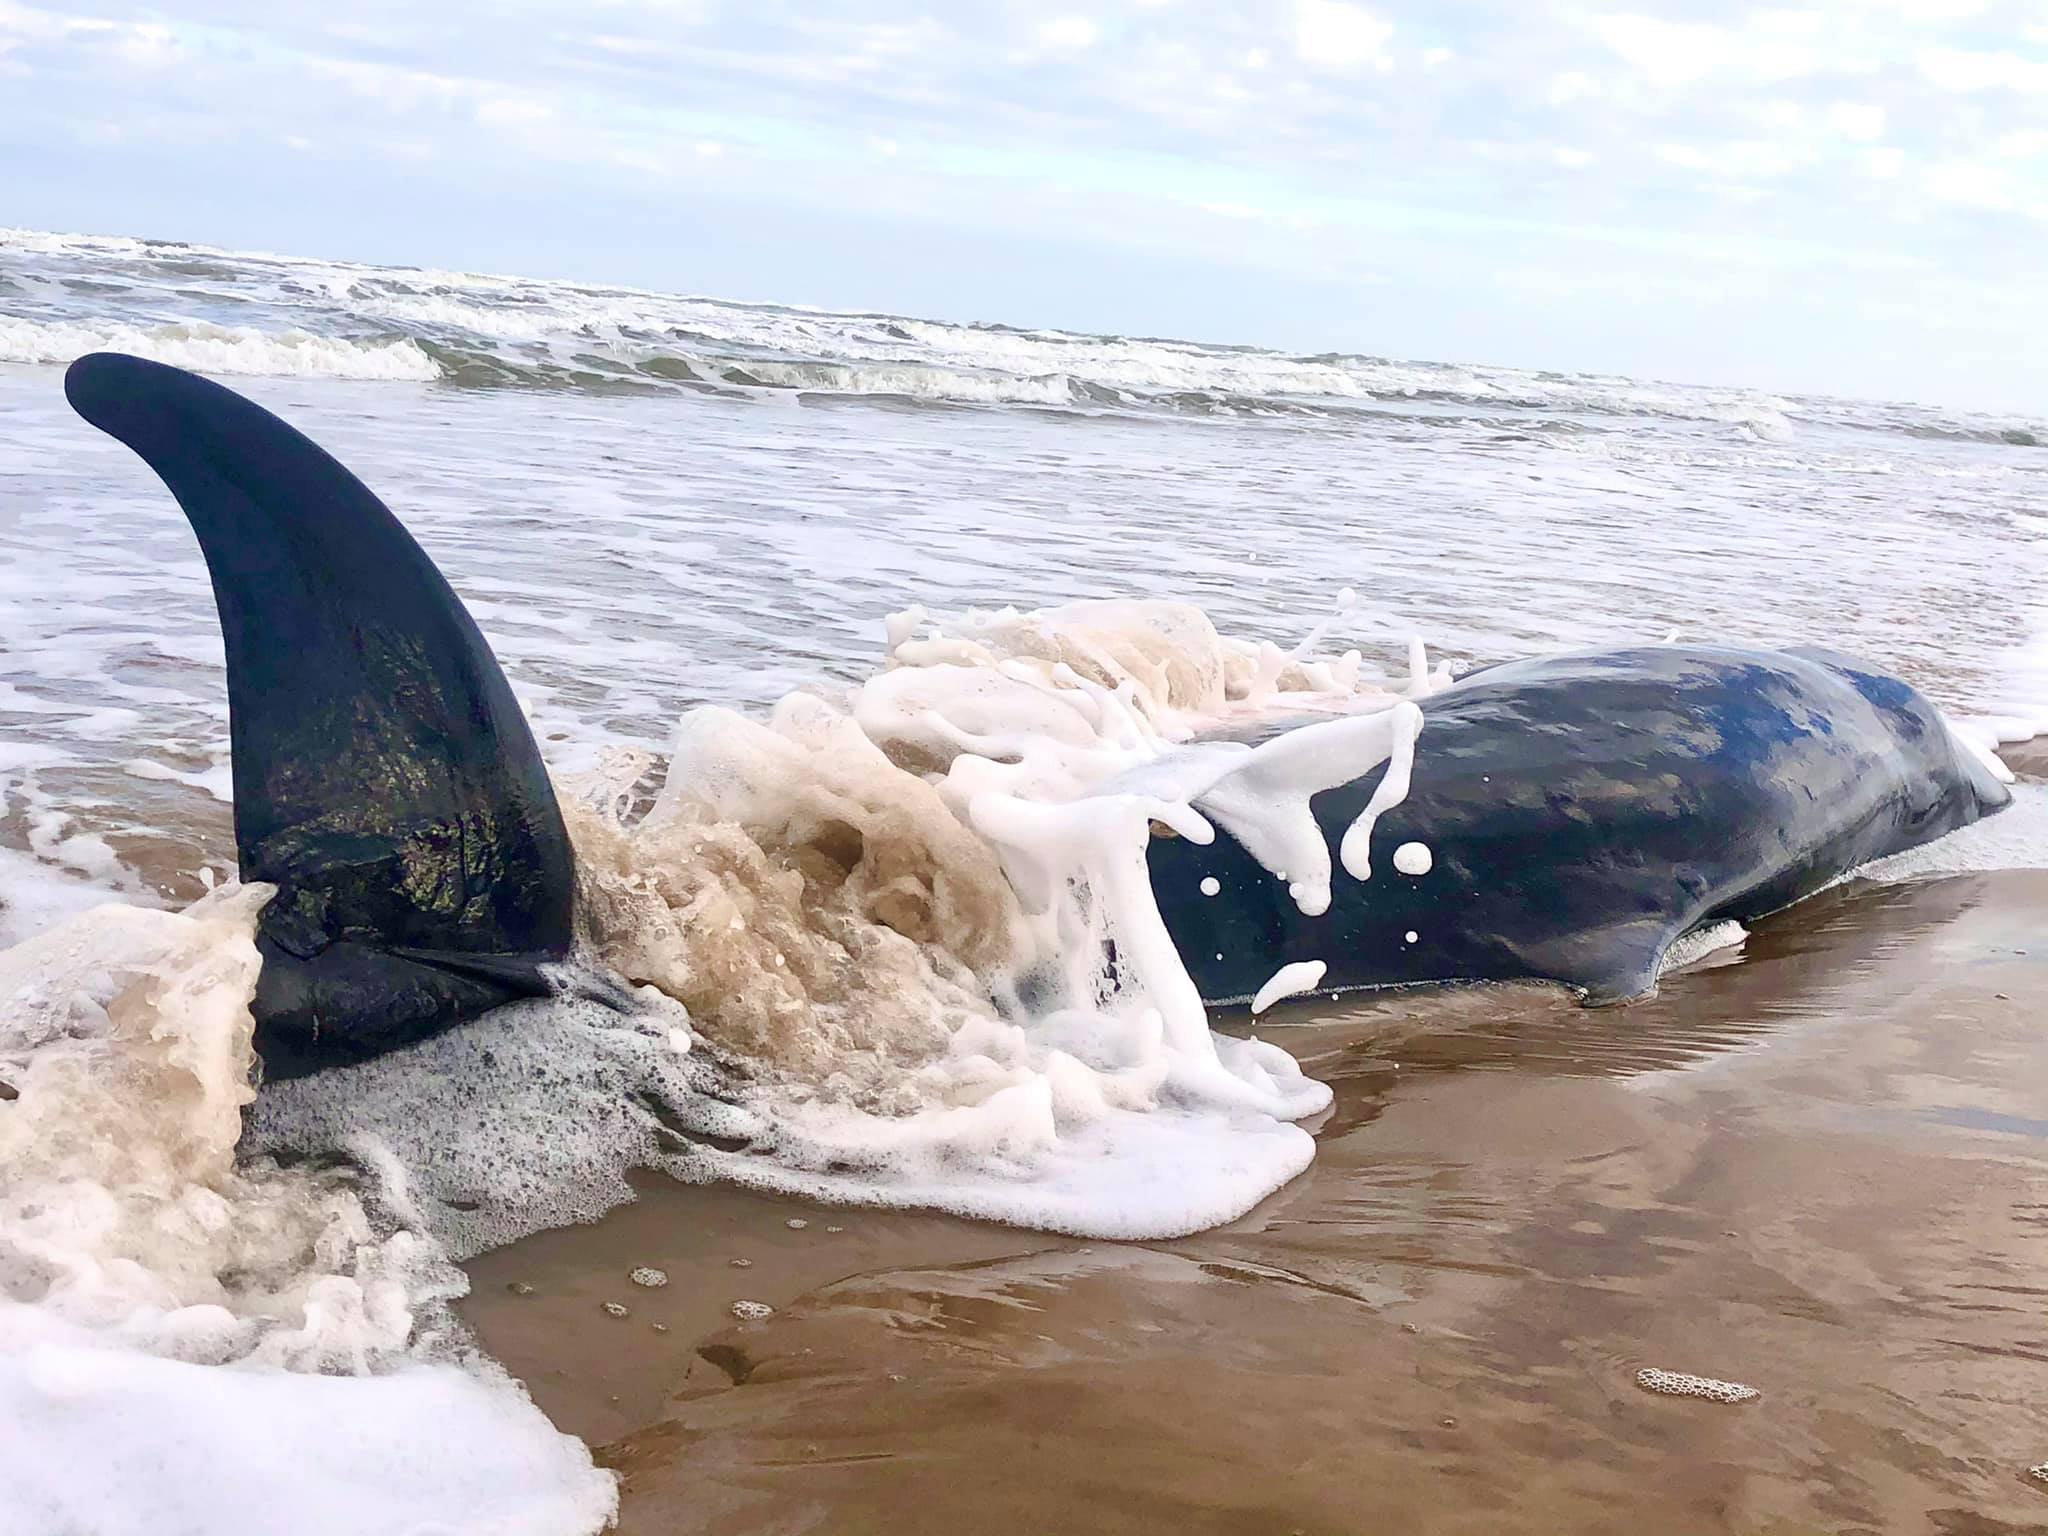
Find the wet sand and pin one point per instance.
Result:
(1821, 1170)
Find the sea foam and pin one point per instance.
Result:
(195, 1342)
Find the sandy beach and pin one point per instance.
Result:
(1820, 1170)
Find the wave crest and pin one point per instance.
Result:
(209, 348)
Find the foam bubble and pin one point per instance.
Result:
(1414, 859)
(1289, 981)
(1211, 885)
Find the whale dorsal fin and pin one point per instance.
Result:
(385, 778)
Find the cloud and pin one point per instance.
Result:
(513, 112)
(1068, 33)
(1335, 35)
(1739, 160)
(1857, 120)
(1967, 72)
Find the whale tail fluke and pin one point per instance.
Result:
(385, 779)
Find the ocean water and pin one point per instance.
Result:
(656, 504)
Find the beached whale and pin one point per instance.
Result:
(385, 779)
(1581, 813)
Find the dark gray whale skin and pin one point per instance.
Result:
(385, 779)
(1585, 811)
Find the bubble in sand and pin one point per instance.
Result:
(2039, 1474)
(616, 1309)
(648, 1276)
(796, 1223)
(1679, 1384)
(741, 1263)
(752, 1311)
(1414, 859)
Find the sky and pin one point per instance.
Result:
(1843, 196)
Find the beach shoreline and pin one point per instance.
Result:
(1815, 1169)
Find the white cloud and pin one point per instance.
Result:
(513, 112)
(1936, 10)
(1257, 58)
(1069, 34)
(1572, 159)
(399, 89)
(1967, 72)
(1972, 184)
(149, 45)
(1883, 164)
(1769, 46)
(1436, 57)
(888, 149)
(1332, 34)
(1668, 53)
(1738, 159)
(1570, 86)
(1857, 120)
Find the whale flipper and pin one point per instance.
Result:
(385, 779)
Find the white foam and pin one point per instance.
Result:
(122, 1443)
(40, 894)
(210, 348)
(2015, 838)
(1289, 981)
(914, 928)
(1693, 947)
(1414, 859)
(164, 1308)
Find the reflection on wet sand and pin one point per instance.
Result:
(1818, 1171)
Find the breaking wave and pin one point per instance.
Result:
(253, 313)
(219, 349)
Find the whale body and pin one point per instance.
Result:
(1581, 813)
(1584, 812)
